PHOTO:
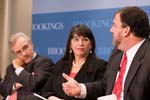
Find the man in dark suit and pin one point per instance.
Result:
(28, 71)
(2, 89)
(130, 31)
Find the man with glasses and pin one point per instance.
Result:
(28, 71)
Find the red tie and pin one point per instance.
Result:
(118, 84)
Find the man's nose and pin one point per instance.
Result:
(23, 53)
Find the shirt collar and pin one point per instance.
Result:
(132, 51)
(34, 55)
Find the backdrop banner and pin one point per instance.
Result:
(53, 19)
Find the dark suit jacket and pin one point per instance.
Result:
(42, 68)
(54, 85)
(137, 83)
(2, 89)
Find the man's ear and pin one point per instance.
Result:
(30, 42)
(126, 31)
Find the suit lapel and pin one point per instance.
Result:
(80, 75)
(132, 72)
(112, 73)
(30, 66)
(135, 65)
(67, 67)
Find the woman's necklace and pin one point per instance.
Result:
(78, 65)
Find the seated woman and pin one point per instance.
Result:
(79, 61)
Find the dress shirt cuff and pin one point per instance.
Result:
(19, 70)
(14, 88)
(83, 91)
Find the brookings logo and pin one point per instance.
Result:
(48, 26)
(56, 51)
(95, 23)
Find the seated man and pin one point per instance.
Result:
(28, 71)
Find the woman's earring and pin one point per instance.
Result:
(90, 51)
(70, 51)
